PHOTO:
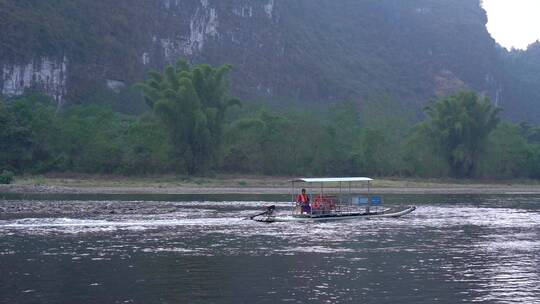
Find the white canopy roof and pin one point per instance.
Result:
(333, 179)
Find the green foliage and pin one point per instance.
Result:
(335, 49)
(376, 153)
(6, 177)
(533, 162)
(85, 30)
(308, 143)
(13, 138)
(95, 139)
(146, 147)
(506, 154)
(530, 133)
(460, 125)
(340, 143)
(385, 123)
(91, 139)
(461, 136)
(191, 102)
(264, 143)
(26, 133)
(419, 158)
(522, 70)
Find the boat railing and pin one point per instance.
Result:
(338, 200)
(339, 204)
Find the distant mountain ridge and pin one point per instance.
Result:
(304, 50)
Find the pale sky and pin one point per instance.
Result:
(513, 23)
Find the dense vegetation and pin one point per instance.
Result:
(310, 51)
(191, 103)
(87, 30)
(195, 127)
(524, 67)
(459, 126)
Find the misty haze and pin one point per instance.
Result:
(268, 151)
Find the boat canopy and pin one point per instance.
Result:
(332, 179)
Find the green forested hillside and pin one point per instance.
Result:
(306, 51)
(82, 30)
(524, 83)
(327, 88)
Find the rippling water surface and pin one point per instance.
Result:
(452, 249)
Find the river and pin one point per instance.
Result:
(200, 249)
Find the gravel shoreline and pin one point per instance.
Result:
(436, 189)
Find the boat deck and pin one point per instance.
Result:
(390, 212)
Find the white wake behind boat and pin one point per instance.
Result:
(337, 203)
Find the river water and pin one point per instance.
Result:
(452, 249)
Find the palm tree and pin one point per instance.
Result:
(459, 126)
(191, 101)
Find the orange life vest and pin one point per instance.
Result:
(303, 198)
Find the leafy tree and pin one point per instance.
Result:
(191, 101)
(418, 158)
(91, 139)
(242, 150)
(375, 153)
(6, 177)
(459, 126)
(530, 132)
(533, 162)
(261, 143)
(343, 141)
(385, 124)
(506, 153)
(27, 128)
(146, 149)
(14, 140)
(295, 142)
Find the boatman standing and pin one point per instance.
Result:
(303, 201)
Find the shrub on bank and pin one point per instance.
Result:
(6, 177)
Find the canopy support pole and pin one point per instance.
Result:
(293, 203)
(350, 196)
(340, 198)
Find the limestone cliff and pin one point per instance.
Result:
(282, 50)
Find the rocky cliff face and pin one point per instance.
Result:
(302, 50)
(44, 74)
(111, 45)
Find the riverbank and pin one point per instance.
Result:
(242, 184)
